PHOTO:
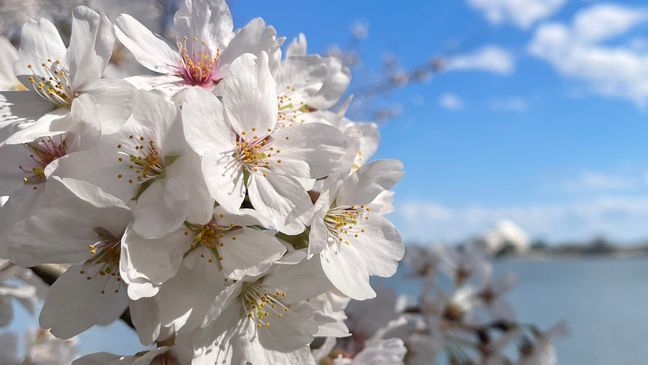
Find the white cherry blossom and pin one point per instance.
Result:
(205, 45)
(264, 320)
(147, 164)
(56, 76)
(26, 168)
(244, 154)
(353, 241)
(80, 225)
(306, 84)
(227, 242)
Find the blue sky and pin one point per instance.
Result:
(551, 133)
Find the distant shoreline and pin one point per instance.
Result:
(593, 250)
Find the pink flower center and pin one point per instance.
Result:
(197, 64)
(42, 152)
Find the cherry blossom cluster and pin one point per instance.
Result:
(462, 316)
(224, 201)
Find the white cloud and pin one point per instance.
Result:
(510, 104)
(522, 13)
(489, 58)
(360, 29)
(601, 181)
(450, 101)
(618, 217)
(581, 51)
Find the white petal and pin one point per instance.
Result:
(104, 358)
(369, 181)
(251, 101)
(40, 41)
(19, 107)
(209, 20)
(154, 261)
(156, 112)
(200, 205)
(79, 125)
(365, 138)
(319, 145)
(60, 229)
(257, 354)
(245, 217)
(144, 313)
(11, 176)
(204, 123)
(318, 82)
(297, 47)
(224, 178)
(91, 46)
(277, 198)
(337, 80)
(150, 50)
(222, 307)
(170, 85)
(293, 331)
(318, 237)
(159, 210)
(302, 281)
(381, 246)
(44, 127)
(346, 269)
(74, 303)
(247, 251)
(215, 344)
(185, 299)
(254, 37)
(113, 100)
(8, 55)
(100, 167)
(20, 206)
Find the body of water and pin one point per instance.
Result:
(604, 302)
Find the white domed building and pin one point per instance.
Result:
(506, 235)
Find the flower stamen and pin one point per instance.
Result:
(259, 303)
(197, 64)
(52, 83)
(42, 152)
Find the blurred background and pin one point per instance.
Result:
(521, 123)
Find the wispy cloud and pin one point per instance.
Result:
(581, 50)
(450, 101)
(619, 217)
(489, 58)
(509, 104)
(589, 181)
(522, 13)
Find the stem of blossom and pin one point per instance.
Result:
(49, 274)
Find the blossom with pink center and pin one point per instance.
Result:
(206, 44)
(197, 65)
